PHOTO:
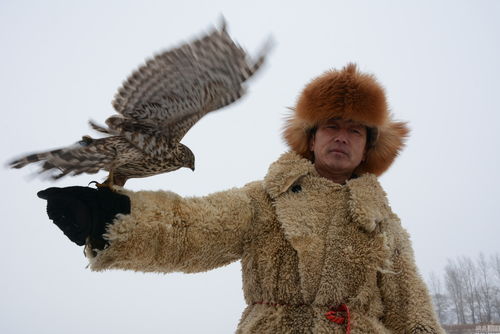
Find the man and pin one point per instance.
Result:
(321, 250)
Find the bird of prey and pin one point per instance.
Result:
(156, 106)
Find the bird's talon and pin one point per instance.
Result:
(99, 185)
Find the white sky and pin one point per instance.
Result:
(61, 62)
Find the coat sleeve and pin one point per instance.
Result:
(407, 304)
(166, 233)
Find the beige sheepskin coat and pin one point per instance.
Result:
(305, 244)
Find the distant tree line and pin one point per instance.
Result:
(469, 291)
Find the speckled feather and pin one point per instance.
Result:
(157, 104)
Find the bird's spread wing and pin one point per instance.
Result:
(156, 106)
(168, 94)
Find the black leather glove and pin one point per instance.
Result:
(84, 212)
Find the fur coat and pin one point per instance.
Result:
(306, 245)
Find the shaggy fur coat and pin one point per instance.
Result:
(306, 244)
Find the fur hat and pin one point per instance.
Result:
(352, 95)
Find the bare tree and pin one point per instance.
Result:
(455, 287)
(485, 289)
(472, 291)
(468, 271)
(440, 299)
(495, 265)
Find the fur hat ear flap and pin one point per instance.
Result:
(390, 142)
(347, 94)
(297, 134)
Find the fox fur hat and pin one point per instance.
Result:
(347, 94)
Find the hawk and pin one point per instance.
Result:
(157, 104)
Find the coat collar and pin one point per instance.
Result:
(368, 203)
(285, 172)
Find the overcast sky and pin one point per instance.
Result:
(61, 62)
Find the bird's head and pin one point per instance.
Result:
(187, 158)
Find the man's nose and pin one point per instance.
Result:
(341, 136)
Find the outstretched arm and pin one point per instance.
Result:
(165, 232)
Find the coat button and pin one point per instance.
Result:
(296, 188)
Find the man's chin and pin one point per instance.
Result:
(338, 166)
(339, 159)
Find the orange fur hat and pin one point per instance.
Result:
(347, 94)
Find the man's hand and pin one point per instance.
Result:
(84, 212)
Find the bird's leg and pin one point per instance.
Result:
(108, 183)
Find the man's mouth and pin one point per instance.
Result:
(338, 150)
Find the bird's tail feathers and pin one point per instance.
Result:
(31, 158)
(70, 160)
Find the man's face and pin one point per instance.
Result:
(339, 146)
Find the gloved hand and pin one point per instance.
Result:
(84, 212)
